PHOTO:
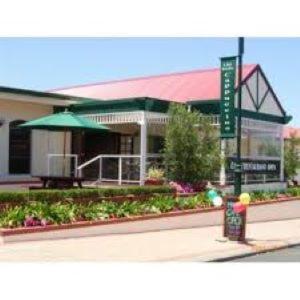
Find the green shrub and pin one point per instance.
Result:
(258, 196)
(199, 200)
(155, 173)
(45, 195)
(263, 195)
(204, 200)
(92, 211)
(13, 217)
(191, 149)
(128, 208)
(13, 197)
(78, 194)
(162, 203)
(293, 191)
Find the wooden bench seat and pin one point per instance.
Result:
(60, 181)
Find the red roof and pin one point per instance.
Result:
(288, 131)
(180, 87)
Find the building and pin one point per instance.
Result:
(136, 112)
(288, 132)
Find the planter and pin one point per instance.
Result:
(271, 210)
(185, 195)
(153, 181)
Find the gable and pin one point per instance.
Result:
(258, 95)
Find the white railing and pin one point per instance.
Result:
(213, 119)
(128, 117)
(121, 158)
(116, 117)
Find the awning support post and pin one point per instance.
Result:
(143, 148)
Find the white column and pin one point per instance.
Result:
(100, 169)
(143, 149)
(282, 154)
(120, 171)
(222, 170)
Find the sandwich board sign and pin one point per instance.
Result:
(234, 223)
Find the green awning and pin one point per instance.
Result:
(64, 121)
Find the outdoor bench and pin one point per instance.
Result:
(60, 181)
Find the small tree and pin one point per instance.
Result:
(191, 149)
(291, 156)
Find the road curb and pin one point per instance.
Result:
(256, 250)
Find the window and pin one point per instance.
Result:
(155, 144)
(126, 145)
(256, 144)
(19, 148)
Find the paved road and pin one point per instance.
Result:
(286, 255)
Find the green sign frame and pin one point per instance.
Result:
(227, 115)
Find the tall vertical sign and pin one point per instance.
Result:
(227, 118)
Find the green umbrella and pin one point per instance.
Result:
(64, 121)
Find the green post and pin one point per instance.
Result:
(238, 167)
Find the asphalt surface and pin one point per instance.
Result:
(286, 255)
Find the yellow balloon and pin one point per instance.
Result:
(245, 198)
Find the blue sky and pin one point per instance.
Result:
(45, 63)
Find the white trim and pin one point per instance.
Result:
(253, 124)
(282, 156)
(143, 149)
(156, 118)
(135, 117)
(261, 157)
(223, 167)
(259, 186)
(35, 99)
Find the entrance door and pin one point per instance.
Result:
(130, 166)
(19, 148)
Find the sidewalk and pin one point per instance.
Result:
(196, 244)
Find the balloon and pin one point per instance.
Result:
(245, 198)
(217, 201)
(239, 207)
(212, 194)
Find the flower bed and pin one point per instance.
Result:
(41, 213)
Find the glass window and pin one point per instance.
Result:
(126, 145)
(272, 177)
(19, 148)
(264, 144)
(256, 144)
(155, 144)
(255, 178)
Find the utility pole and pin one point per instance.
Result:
(238, 167)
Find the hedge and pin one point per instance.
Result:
(97, 193)
(87, 193)
(267, 195)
